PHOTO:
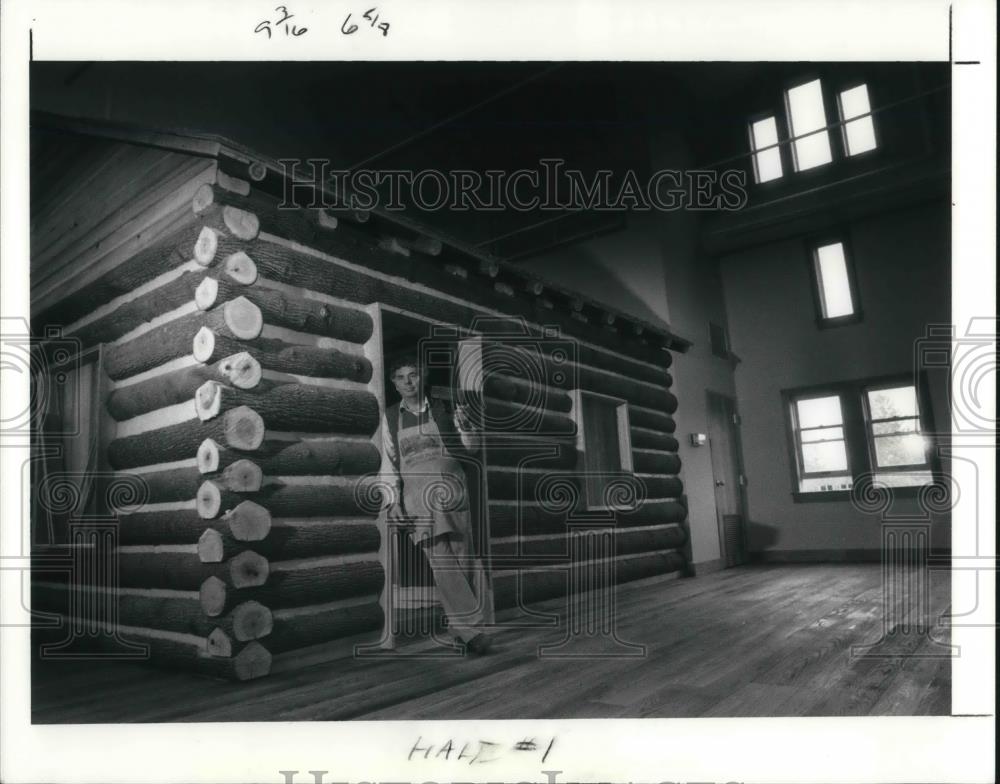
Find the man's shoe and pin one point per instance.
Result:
(479, 644)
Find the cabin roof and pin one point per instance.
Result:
(475, 261)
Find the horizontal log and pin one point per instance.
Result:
(296, 457)
(296, 538)
(286, 310)
(272, 354)
(180, 569)
(176, 650)
(502, 417)
(341, 496)
(247, 522)
(536, 585)
(534, 451)
(650, 419)
(298, 583)
(236, 320)
(176, 611)
(130, 310)
(510, 518)
(653, 513)
(525, 391)
(655, 462)
(297, 407)
(522, 484)
(239, 428)
(556, 548)
(658, 486)
(300, 627)
(649, 439)
(191, 241)
(182, 483)
(176, 386)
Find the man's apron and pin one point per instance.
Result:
(434, 485)
(436, 499)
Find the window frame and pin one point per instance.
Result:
(842, 88)
(813, 244)
(860, 459)
(623, 425)
(835, 153)
(870, 431)
(801, 473)
(781, 126)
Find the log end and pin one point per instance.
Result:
(211, 548)
(243, 476)
(203, 344)
(203, 198)
(219, 644)
(244, 428)
(208, 457)
(206, 293)
(251, 621)
(241, 268)
(208, 400)
(241, 370)
(325, 219)
(243, 318)
(232, 184)
(242, 224)
(254, 661)
(205, 246)
(209, 500)
(249, 522)
(212, 596)
(248, 570)
(257, 171)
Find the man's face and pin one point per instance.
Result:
(406, 379)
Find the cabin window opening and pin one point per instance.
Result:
(820, 444)
(604, 446)
(897, 446)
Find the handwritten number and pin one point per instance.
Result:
(263, 27)
(298, 30)
(283, 10)
(384, 27)
(348, 30)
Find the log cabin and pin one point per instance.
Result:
(215, 362)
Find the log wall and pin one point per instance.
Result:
(245, 360)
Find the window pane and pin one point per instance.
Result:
(904, 478)
(819, 411)
(895, 402)
(823, 434)
(764, 133)
(895, 426)
(859, 134)
(899, 450)
(835, 287)
(830, 456)
(806, 113)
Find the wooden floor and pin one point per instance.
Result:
(751, 641)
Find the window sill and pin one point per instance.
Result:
(909, 491)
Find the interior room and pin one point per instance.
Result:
(693, 319)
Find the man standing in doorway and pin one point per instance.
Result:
(425, 485)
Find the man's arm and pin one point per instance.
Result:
(391, 482)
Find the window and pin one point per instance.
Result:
(764, 137)
(844, 430)
(897, 449)
(821, 445)
(603, 442)
(719, 340)
(855, 114)
(807, 120)
(835, 289)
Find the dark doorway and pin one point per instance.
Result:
(727, 474)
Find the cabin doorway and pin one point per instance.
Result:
(728, 478)
(443, 353)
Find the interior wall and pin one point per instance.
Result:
(902, 265)
(654, 270)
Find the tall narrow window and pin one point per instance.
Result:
(897, 448)
(858, 127)
(835, 289)
(820, 444)
(807, 119)
(767, 163)
(603, 443)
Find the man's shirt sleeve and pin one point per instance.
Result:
(391, 482)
